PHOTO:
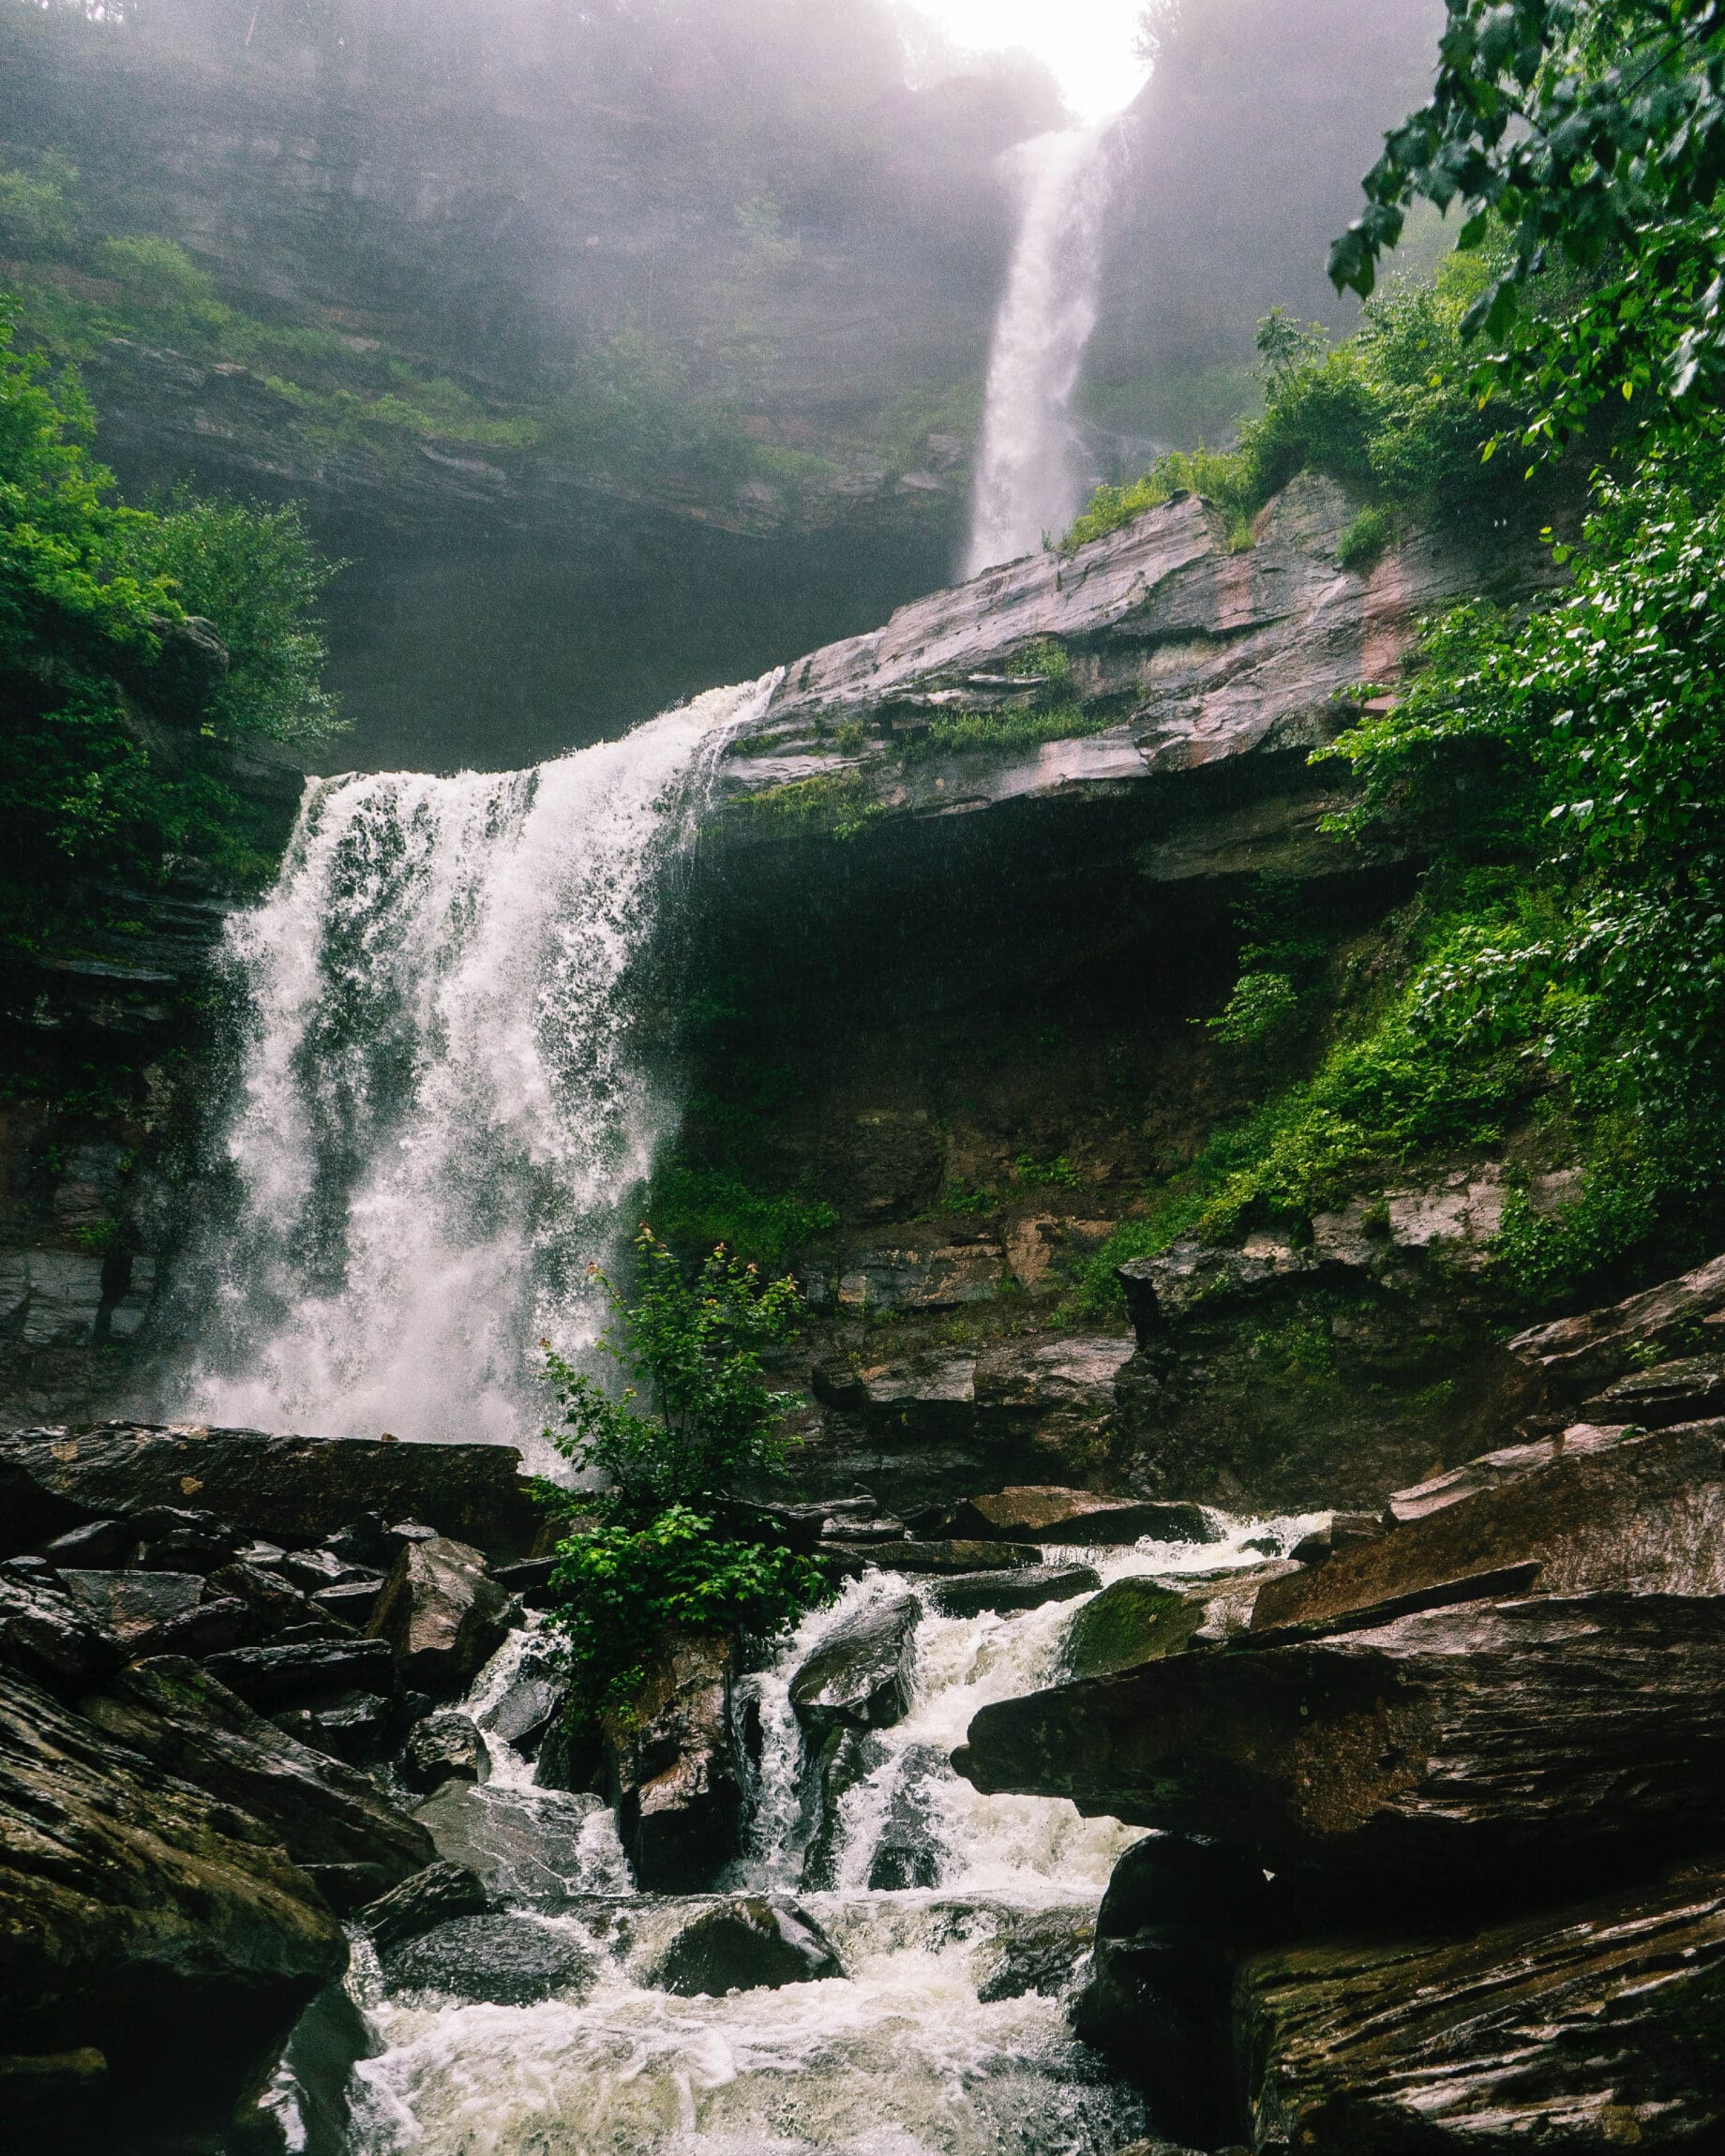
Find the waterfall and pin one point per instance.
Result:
(442, 1105)
(918, 2049)
(1030, 479)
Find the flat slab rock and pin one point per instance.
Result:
(1641, 1513)
(1596, 2027)
(295, 1490)
(1451, 1752)
(1000, 1594)
(1078, 1516)
(948, 1558)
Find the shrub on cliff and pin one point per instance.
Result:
(116, 699)
(654, 1556)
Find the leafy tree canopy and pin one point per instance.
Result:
(1591, 133)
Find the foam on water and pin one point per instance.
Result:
(442, 1103)
(900, 2057)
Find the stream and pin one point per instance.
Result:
(913, 2051)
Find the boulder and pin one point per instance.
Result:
(745, 1944)
(1035, 1951)
(313, 2084)
(1131, 1621)
(526, 1710)
(300, 1674)
(442, 1615)
(673, 1770)
(1139, 1620)
(146, 1921)
(312, 1570)
(1069, 1516)
(1174, 1922)
(1340, 1533)
(438, 1894)
(1444, 1755)
(130, 1603)
(353, 1603)
(524, 1845)
(503, 1960)
(187, 1725)
(50, 1640)
(445, 1747)
(1000, 1594)
(1596, 2026)
(276, 1605)
(293, 1489)
(211, 1628)
(571, 1757)
(174, 1538)
(352, 1726)
(1645, 1513)
(859, 1675)
(951, 1557)
(98, 1544)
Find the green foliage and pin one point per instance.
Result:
(36, 214)
(837, 802)
(697, 1208)
(1362, 545)
(1392, 414)
(634, 408)
(1262, 1008)
(255, 573)
(1591, 132)
(92, 598)
(1058, 1174)
(654, 1560)
(692, 1349)
(623, 1589)
(1024, 729)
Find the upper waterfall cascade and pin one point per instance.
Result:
(442, 1106)
(1030, 479)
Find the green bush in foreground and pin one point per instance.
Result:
(654, 1558)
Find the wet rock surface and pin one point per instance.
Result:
(950, 1558)
(436, 1895)
(676, 1774)
(1078, 1516)
(445, 1747)
(152, 1925)
(502, 1960)
(1599, 2026)
(441, 1614)
(860, 1677)
(972, 1594)
(524, 1845)
(292, 1490)
(188, 1725)
(747, 1944)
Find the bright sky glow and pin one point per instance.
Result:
(1088, 43)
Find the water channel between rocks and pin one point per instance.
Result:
(914, 2051)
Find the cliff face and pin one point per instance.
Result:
(973, 884)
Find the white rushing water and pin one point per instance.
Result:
(900, 2055)
(440, 1104)
(1030, 476)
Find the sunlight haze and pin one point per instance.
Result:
(1087, 43)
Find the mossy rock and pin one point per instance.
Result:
(1134, 1620)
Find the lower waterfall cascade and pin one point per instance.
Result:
(440, 1106)
(897, 2057)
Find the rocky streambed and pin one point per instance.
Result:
(1075, 1819)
